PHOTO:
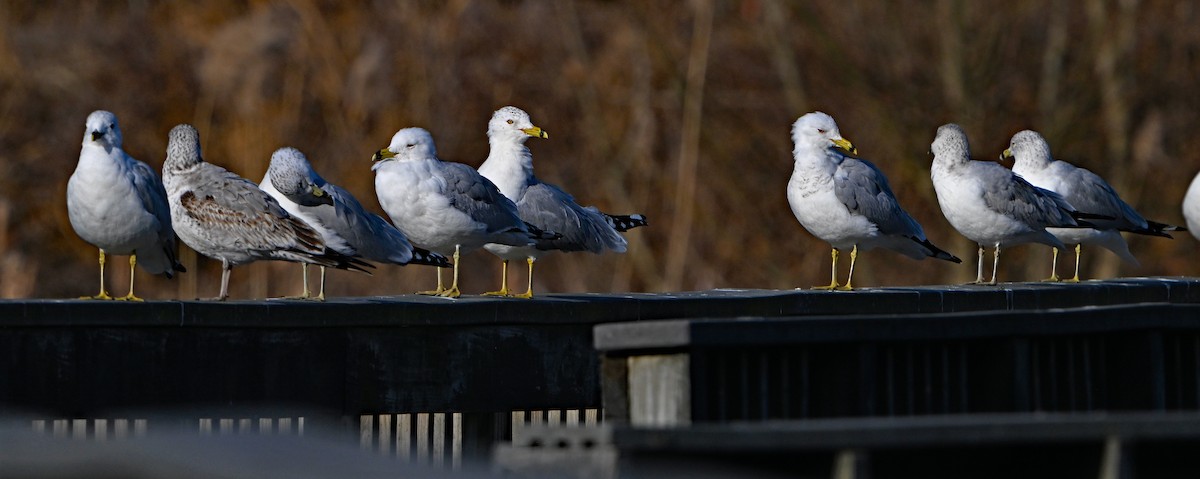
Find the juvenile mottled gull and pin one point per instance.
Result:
(988, 203)
(846, 201)
(448, 208)
(1191, 207)
(1085, 191)
(510, 166)
(118, 204)
(344, 225)
(226, 217)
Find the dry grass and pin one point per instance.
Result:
(637, 124)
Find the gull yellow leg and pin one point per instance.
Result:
(1078, 253)
(995, 264)
(853, 256)
(130, 296)
(321, 295)
(453, 292)
(103, 292)
(529, 289)
(503, 281)
(979, 267)
(833, 284)
(440, 288)
(1053, 267)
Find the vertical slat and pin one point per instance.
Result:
(945, 386)
(139, 427)
(743, 374)
(423, 438)
(385, 434)
(300, 426)
(764, 388)
(245, 425)
(889, 359)
(590, 416)
(79, 428)
(554, 417)
(927, 362)
(910, 381)
(366, 431)
(266, 426)
(785, 385)
(60, 428)
(1088, 404)
(39, 426)
(285, 426)
(1035, 350)
(439, 439)
(535, 417)
(404, 437)
(805, 387)
(120, 428)
(1072, 380)
(1052, 383)
(457, 439)
(225, 425)
(205, 426)
(518, 421)
(964, 403)
(101, 431)
(572, 417)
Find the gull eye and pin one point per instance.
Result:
(412, 145)
(820, 131)
(510, 122)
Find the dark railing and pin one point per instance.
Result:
(400, 373)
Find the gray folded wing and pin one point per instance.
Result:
(153, 197)
(372, 236)
(1007, 193)
(479, 198)
(1091, 194)
(865, 191)
(583, 229)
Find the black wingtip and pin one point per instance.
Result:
(625, 223)
(540, 234)
(428, 258)
(938, 252)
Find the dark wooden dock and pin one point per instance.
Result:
(440, 380)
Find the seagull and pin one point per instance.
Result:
(1191, 207)
(226, 217)
(846, 201)
(344, 225)
(118, 204)
(510, 166)
(1084, 190)
(991, 205)
(445, 207)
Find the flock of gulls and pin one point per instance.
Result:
(846, 201)
(441, 210)
(438, 210)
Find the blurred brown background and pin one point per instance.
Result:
(679, 110)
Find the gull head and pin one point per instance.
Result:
(950, 144)
(817, 130)
(291, 174)
(407, 144)
(1027, 148)
(513, 124)
(183, 147)
(102, 129)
